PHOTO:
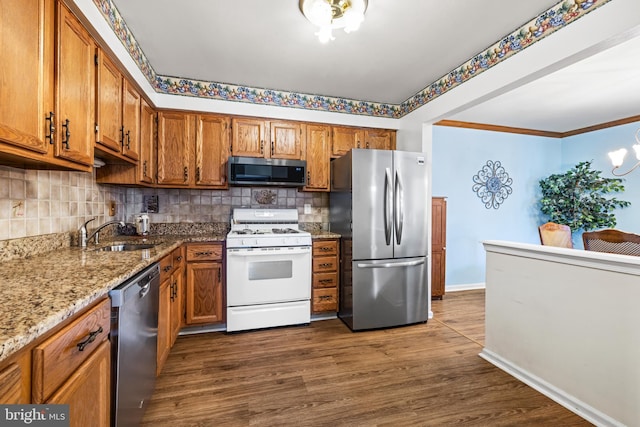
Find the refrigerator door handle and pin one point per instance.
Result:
(387, 205)
(392, 264)
(399, 208)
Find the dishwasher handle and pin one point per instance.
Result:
(144, 289)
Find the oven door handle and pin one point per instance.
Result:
(263, 251)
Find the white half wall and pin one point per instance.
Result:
(566, 322)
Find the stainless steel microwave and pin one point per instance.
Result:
(259, 171)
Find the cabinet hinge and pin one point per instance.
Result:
(95, 59)
(97, 128)
(219, 275)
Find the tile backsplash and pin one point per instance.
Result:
(36, 202)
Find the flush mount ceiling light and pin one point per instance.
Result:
(617, 157)
(328, 15)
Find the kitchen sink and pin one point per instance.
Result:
(126, 247)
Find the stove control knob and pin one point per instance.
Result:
(246, 242)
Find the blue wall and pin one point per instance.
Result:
(458, 154)
(595, 146)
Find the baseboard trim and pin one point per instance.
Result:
(465, 287)
(559, 396)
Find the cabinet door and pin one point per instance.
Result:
(204, 293)
(286, 140)
(110, 132)
(317, 142)
(146, 164)
(174, 147)
(212, 150)
(130, 120)
(248, 137)
(438, 246)
(75, 85)
(176, 305)
(379, 139)
(344, 139)
(25, 87)
(87, 391)
(164, 323)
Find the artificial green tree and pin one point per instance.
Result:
(577, 198)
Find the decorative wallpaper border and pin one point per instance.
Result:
(558, 16)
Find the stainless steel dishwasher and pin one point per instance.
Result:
(134, 337)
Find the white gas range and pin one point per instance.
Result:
(268, 270)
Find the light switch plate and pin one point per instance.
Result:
(307, 208)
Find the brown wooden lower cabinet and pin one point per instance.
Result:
(324, 290)
(170, 304)
(88, 390)
(204, 284)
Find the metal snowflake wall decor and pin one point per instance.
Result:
(492, 184)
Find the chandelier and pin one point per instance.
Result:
(617, 157)
(328, 15)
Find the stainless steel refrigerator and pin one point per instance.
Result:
(378, 203)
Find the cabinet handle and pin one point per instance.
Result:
(272, 147)
(186, 174)
(122, 136)
(198, 174)
(144, 168)
(204, 253)
(67, 133)
(326, 264)
(325, 248)
(367, 145)
(91, 338)
(308, 177)
(325, 297)
(358, 144)
(325, 280)
(167, 268)
(128, 140)
(261, 147)
(52, 128)
(179, 258)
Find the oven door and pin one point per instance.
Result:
(268, 275)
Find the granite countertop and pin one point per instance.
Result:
(39, 292)
(323, 234)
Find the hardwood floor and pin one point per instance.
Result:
(325, 375)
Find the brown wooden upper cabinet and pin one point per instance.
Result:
(212, 150)
(44, 112)
(75, 89)
(175, 139)
(263, 138)
(318, 146)
(192, 150)
(147, 164)
(117, 112)
(345, 138)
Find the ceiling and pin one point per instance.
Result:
(401, 48)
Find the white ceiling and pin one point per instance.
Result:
(401, 48)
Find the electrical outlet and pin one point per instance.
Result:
(307, 208)
(112, 208)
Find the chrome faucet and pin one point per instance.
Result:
(84, 239)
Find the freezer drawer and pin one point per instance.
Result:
(385, 293)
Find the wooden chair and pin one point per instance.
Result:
(552, 234)
(612, 241)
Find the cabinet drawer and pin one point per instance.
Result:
(178, 257)
(325, 280)
(205, 252)
(166, 267)
(325, 263)
(325, 247)
(59, 356)
(325, 300)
